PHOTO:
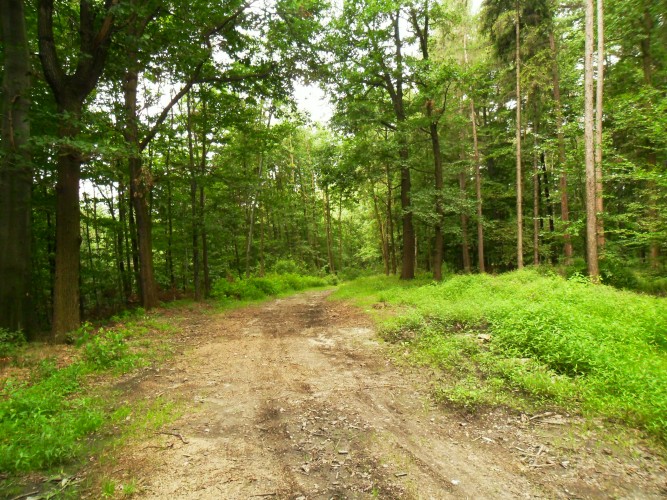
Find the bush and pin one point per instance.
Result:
(10, 342)
(106, 349)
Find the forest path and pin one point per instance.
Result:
(295, 399)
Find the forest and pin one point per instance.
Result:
(152, 149)
(485, 179)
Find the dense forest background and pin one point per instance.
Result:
(153, 149)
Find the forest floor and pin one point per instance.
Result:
(295, 398)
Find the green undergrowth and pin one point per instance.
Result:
(251, 289)
(51, 407)
(529, 340)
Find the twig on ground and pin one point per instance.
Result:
(175, 434)
(26, 495)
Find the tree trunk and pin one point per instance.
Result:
(408, 264)
(591, 210)
(16, 311)
(599, 204)
(564, 205)
(519, 183)
(327, 216)
(390, 221)
(193, 206)
(536, 210)
(439, 184)
(139, 191)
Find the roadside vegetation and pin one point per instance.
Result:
(58, 404)
(530, 340)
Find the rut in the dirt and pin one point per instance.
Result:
(294, 399)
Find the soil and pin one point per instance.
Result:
(296, 398)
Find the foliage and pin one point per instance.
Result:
(562, 342)
(46, 420)
(10, 342)
(259, 288)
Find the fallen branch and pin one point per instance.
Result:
(175, 434)
(26, 495)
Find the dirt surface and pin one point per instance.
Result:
(296, 399)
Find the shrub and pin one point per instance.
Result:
(10, 342)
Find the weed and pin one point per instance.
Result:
(528, 337)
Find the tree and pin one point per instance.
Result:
(71, 81)
(591, 191)
(15, 172)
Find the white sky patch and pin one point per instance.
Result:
(312, 100)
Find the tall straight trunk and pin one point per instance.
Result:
(15, 173)
(327, 217)
(66, 310)
(340, 232)
(536, 209)
(478, 175)
(261, 245)
(599, 205)
(204, 243)
(390, 221)
(465, 240)
(123, 247)
(439, 184)
(193, 206)
(89, 247)
(139, 191)
(591, 211)
(519, 183)
(384, 246)
(478, 191)
(647, 67)
(564, 205)
(408, 263)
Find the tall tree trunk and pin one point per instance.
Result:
(384, 246)
(15, 173)
(536, 209)
(408, 264)
(390, 221)
(70, 91)
(599, 204)
(564, 205)
(478, 175)
(193, 206)
(591, 210)
(140, 185)
(327, 216)
(519, 177)
(66, 310)
(465, 240)
(439, 184)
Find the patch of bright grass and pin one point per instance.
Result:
(46, 419)
(271, 285)
(550, 341)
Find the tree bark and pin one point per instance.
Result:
(591, 211)
(70, 91)
(15, 173)
(564, 205)
(519, 183)
(599, 203)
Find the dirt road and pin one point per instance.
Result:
(295, 399)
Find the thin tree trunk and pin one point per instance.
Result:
(599, 204)
(536, 209)
(390, 221)
(15, 173)
(465, 240)
(384, 246)
(519, 183)
(193, 207)
(327, 216)
(591, 211)
(564, 205)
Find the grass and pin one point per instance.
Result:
(272, 285)
(528, 340)
(47, 416)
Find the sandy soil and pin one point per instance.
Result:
(296, 399)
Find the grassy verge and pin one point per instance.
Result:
(527, 340)
(54, 409)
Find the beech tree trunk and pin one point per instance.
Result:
(70, 91)
(591, 192)
(15, 173)
(519, 177)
